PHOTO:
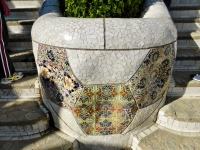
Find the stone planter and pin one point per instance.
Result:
(104, 79)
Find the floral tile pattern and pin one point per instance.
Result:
(151, 80)
(105, 109)
(57, 77)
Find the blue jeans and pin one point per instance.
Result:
(167, 3)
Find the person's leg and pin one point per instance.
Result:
(6, 66)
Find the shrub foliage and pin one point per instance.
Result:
(102, 8)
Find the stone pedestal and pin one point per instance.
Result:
(104, 79)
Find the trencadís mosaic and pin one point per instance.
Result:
(105, 108)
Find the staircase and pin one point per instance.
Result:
(186, 16)
(178, 122)
(25, 123)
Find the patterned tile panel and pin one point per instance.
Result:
(105, 109)
(57, 77)
(151, 80)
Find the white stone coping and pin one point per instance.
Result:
(24, 130)
(155, 28)
(173, 124)
(138, 137)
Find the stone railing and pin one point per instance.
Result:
(104, 79)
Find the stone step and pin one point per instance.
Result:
(185, 14)
(19, 46)
(26, 67)
(24, 3)
(19, 26)
(188, 46)
(52, 140)
(188, 42)
(20, 42)
(20, 35)
(179, 6)
(158, 137)
(23, 14)
(187, 27)
(188, 54)
(182, 19)
(185, 2)
(183, 84)
(186, 24)
(186, 65)
(183, 114)
(22, 117)
(185, 11)
(27, 87)
(189, 35)
(23, 56)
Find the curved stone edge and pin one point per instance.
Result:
(146, 125)
(154, 29)
(102, 141)
(60, 114)
(144, 113)
(91, 141)
(69, 113)
(175, 124)
(138, 139)
(25, 130)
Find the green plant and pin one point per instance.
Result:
(102, 8)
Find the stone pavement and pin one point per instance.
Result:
(50, 141)
(20, 113)
(164, 140)
(183, 85)
(184, 110)
(182, 115)
(177, 127)
(26, 118)
(183, 79)
(23, 88)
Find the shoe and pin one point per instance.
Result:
(196, 77)
(5, 81)
(16, 76)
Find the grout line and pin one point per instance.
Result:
(104, 28)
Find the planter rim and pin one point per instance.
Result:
(154, 29)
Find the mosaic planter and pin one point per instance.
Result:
(104, 79)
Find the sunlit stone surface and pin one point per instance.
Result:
(105, 79)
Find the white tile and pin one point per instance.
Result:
(142, 134)
(147, 131)
(176, 123)
(191, 125)
(197, 125)
(153, 128)
(170, 121)
(183, 124)
(162, 118)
